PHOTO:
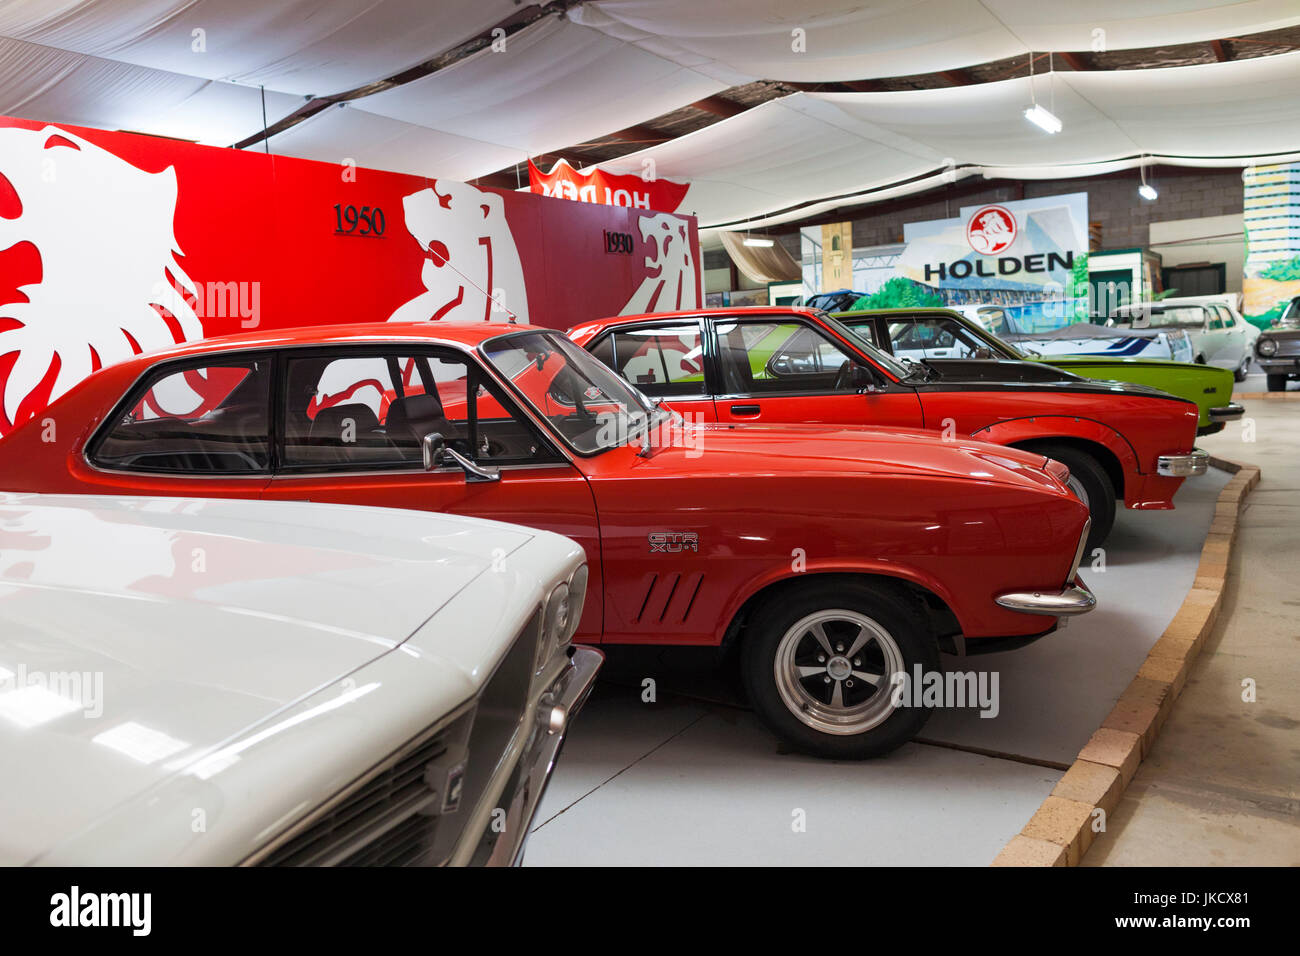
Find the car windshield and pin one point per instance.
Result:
(1190, 316)
(999, 321)
(884, 359)
(1291, 317)
(587, 404)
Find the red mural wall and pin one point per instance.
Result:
(113, 244)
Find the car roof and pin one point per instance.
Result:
(426, 333)
(721, 310)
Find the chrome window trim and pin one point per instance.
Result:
(195, 360)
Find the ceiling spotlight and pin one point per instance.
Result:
(1146, 190)
(1042, 118)
(759, 242)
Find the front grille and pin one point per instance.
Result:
(393, 815)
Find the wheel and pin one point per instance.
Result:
(1277, 383)
(1242, 370)
(1091, 485)
(818, 667)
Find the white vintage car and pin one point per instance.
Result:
(215, 682)
(1083, 338)
(1218, 333)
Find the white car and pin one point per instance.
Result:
(1219, 334)
(1082, 338)
(216, 682)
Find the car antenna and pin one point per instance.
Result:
(511, 318)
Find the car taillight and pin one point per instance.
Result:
(1057, 470)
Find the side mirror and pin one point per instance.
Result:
(863, 380)
(436, 452)
(983, 352)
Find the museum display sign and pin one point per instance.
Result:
(114, 243)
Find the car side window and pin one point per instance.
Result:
(781, 357)
(208, 419)
(663, 361)
(372, 411)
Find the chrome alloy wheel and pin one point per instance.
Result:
(833, 671)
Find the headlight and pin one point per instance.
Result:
(563, 609)
(577, 600)
(1266, 347)
(555, 618)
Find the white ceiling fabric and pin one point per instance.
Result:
(847, 41)
(553, 85)
(305, 47)
(817, 146)
(344, 132)
(56, 85)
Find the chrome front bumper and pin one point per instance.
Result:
(1195, 462)
(1075, 599)
(523, 794)
(1227, 413)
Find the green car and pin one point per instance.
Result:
(941, 336)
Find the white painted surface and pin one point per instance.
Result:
(239, 660)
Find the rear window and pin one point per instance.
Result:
(200, 419)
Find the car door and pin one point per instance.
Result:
(351, 423)
(665, 360)
(787, 369)
(1232, 350)
(191, 427)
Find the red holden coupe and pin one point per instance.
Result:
(834, 560)
(1119, 441)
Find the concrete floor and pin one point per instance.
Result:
(1221, 786)
(693, 778)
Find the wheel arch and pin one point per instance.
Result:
(1104, 456)
(934, 607)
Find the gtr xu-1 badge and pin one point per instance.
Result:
(671, 542)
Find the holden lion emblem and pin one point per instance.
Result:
(991, 230)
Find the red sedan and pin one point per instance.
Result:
(1119, 441)
(835, 560)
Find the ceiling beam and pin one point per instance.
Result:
(1220, 51)
(1076, 61)
(640, 133)
(865, 86)
(719, 106)
(957, 77)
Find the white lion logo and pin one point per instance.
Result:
(671, 283)
(104, 231)
(471, 268)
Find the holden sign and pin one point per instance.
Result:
(991, 230)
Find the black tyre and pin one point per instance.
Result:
(818, 666)
(1242, 370)
(1277, 383)
(1091, 485)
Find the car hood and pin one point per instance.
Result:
(752, 449)
(138, 635)
(1100, 361)
(1082, 332)
(958, 373)
(999, 370)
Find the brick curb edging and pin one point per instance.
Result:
(1270, 396)
(1060, 832)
